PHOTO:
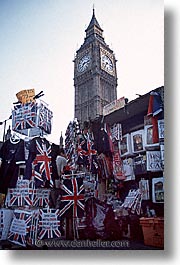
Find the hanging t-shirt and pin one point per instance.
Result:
(11, 153)
(105, 166)
(87, 155)
(82, 150)
(38, 165)
(102, 142)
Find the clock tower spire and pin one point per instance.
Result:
(94, 27)
(95, 77)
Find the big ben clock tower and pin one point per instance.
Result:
(95, 77)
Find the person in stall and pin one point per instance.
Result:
(111, 227)
(61, 162)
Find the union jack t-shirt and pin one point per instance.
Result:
(39, 166)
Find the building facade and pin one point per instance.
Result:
(95, 76)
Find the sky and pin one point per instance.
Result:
(39, 39)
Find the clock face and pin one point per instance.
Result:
(83, 63)
(107, 63)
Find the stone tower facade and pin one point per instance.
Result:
(95, 76)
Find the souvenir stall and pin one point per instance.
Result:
(111, 188)
(142, 158)
(79, 182)
(94, 158)
(153, 223)
(26, 175)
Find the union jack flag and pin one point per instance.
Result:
(20, 227)
(41, 198)
(19, 197)
(24, 116)
(72, 199)
(90, 147)
(86, 152)
(41, 165)
(86, 147)
(45, 118)
(80, 151)
(49, 225)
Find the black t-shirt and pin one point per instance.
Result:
(11, 153)
(102, 142)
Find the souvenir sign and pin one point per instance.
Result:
(18, 197)
(6, 216)
(140, 166)
(128, 169)
(31, 119)
(161, 129)
(26, 96)
(149, 135)
(137, 141)
(116, 132)
(49, 225)
(147, 120)
(24, 119)
(41, 198)
(149, 143)
(117, 163)
(45, 118)
(20, 227)
(113, 106)
(125, 145)
(154, 161)
(158, 190)
(45, 224)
